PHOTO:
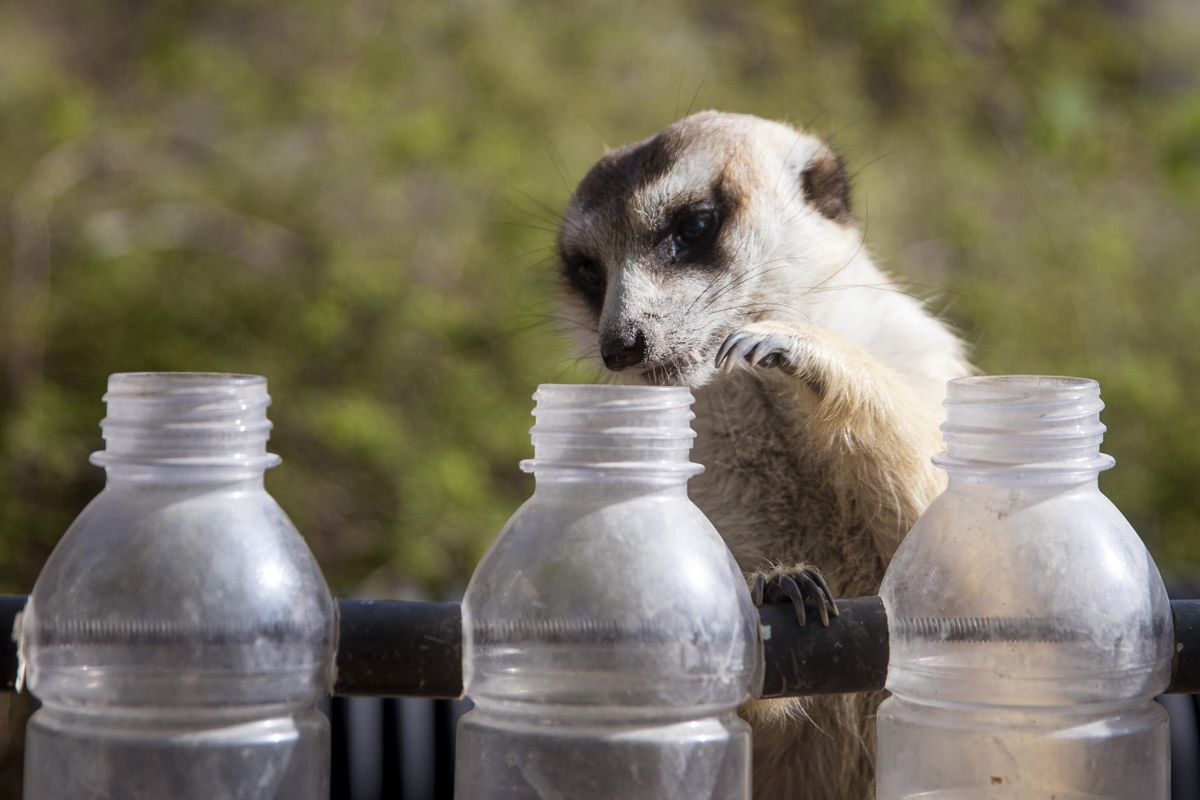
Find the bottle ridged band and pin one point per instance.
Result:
(627, 428)
(189, 419)
(1023, 423)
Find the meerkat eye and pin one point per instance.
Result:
(695, 228)
(587, 273)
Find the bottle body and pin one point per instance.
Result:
(270, 753)
(181, 631)
(608, 633)
(1029, 628)
(502, 758)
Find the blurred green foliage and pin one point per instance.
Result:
(357, 200)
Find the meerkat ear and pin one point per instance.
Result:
(827, 186)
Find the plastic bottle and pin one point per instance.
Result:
(1029, 627)
(181, 631)
(608, 634)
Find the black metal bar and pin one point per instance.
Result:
(1185, 668)
(851, 655)
(405, 649)
(399, 649)
(10, 606)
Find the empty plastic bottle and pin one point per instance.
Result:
(181, 631)
(1029, 627)
(609, 636)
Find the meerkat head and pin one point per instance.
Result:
(670, 244)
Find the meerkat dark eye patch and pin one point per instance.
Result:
(586, 276)
(619, 174)
(827, 186)
(693, 233)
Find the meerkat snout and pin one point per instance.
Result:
(627, 349)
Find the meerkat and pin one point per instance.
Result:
(721, 254)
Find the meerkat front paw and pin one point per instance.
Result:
(794, 348)
(764, 344)
(803, 586)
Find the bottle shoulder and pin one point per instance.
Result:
(174, 587)
(554, 552)
(634, 600)
(1029, 593)
(183, 550)
(1041, 548)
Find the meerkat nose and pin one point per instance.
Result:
(625, 350)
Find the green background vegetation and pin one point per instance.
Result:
(358, 200)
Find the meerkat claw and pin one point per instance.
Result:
(790, 588)
(803, 589)
(819, 580)
(813, 592)
(738, 348)
(754, 349)
(732, 350)
(756, 593)
(771, 351)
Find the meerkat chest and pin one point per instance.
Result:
(763, 486)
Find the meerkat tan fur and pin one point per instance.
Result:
(722, 255)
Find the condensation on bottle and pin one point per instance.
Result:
(1029, 627)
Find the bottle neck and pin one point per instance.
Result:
(1023, 430)
(632, 437)
(186, 427)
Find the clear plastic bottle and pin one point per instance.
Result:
(608, 633)
(1029, 627)
(181, 631)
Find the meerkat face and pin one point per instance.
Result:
(670, 244)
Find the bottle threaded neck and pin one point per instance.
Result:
(196, 420)
(1019, 425)
(620, 429)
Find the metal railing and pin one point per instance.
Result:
(397, 648)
